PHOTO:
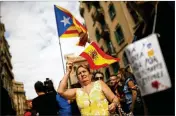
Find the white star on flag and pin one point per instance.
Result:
(65, 20)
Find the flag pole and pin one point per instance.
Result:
(69, 81)
(61, 55)
(60, 44)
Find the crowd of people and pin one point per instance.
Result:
(121, 96)
(48, 102)
(124, 86)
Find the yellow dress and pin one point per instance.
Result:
(93, 104)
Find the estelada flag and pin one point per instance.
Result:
(96, 57)
(67, 25)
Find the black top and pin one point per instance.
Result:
(120, 90)
(45, 104)
(75, 109)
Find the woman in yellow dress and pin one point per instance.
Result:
(92, 98)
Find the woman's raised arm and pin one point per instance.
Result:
(62, 89)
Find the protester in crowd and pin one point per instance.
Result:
(117, 88)
(113, 83)
(120, 86)
(134, 102)
(29, 109)
(63, 104)
(44, 104)
(92, 98)
(98, 76)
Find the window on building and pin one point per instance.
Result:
(103, 24)
(125, 59)
(97, 33)
(107, 73)
(115, 67)
(112, 50)
(135, 16)
(133, 13)
(108, 44)
(119, 34)
(112, 12)
(96, 4)
(100, 17)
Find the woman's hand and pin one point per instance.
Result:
(69, 66)
(112, 108)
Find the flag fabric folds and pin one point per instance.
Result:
(96, 57)
(83, 39)
(67, 25)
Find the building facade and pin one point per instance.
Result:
(112, 25)
(19, 98)
(6, 73)
(14, 89)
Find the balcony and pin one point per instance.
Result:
(105, 31)
(109, 52)
(6, 70)
(112, 50)
(18, 90)
(99, 16)
(6, 46)
(6, 59)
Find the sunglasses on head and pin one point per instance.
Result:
(98, 78)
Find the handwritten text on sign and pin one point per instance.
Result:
(148, 65)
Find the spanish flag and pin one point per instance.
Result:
(68, 26)
(96, 57)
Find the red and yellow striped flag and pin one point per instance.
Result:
(96, 57)
(67, 25)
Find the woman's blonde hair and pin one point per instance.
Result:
(83, 66)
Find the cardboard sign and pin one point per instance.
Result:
(148, 65)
